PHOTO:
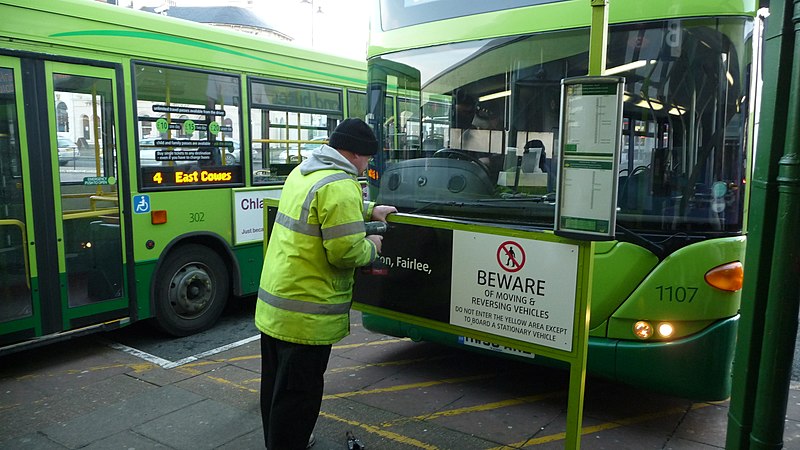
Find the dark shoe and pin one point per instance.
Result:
(311, 441)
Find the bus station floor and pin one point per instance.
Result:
(390, 393)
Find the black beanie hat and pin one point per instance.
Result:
(354, 135)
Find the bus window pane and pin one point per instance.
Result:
(83, 150)
(89, 192)
(289, 121)
(356, 104)
(287, 139)
(15, 293)
(465, 109)
(403, 13)
(296, 97)
(189, 128)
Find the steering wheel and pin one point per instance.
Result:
(462, 155)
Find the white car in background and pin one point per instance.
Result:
(67, 150)
(291, 156)
(233, 154)
(147, 153)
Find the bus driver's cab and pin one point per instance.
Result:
(479, 161)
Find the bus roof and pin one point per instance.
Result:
(84, 25)
(539, 17)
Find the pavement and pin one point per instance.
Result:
(91, 393)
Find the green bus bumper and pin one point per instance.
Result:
(697, 367)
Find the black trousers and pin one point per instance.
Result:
(292, 380)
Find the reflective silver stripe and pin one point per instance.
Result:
(344, 229)
(313, 191)
(301, 306)
(297, 226)
(301, 224)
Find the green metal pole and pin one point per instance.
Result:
(783, 304)
(598, 37)
(577, 367)
(780, 327)
(577, 371)
(762, 219)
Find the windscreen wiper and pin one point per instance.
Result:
(638, 239)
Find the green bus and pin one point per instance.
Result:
(466, 98)
(135, 154)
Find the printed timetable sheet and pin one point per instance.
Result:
(591, 135)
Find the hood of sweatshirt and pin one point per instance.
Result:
(325, 157)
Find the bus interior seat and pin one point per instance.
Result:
(632, 188)
(532, 158)
(432, 143)
(281, 170)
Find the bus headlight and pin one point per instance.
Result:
(642, 329)
(665, 329)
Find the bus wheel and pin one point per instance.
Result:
(191, 289)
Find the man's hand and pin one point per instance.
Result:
(381, 211)
(377, 239)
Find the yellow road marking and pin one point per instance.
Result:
(187, 370)
(249, 357)
(243, 358)
(403, 387)
(378, 431)
(603, 426)
(138, 368)
(399, 362)
(476, 408)
(231, 383)
(367, 344)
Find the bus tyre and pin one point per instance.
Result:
(191, 289)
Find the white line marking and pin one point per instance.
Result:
(166, 364)
(214, 351)
(139, 354)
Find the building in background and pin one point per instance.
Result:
(233, 17)
(336, 27)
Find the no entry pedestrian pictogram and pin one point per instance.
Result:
(510, 256)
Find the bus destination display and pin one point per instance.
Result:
(172, 176)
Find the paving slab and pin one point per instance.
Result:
(339, 416)
(231, 385)
(704, 423)
(109, 420)
(392, 393)
(126, 440)
(37, 412)
(32, 441)
(208, 424)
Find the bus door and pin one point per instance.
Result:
(17, 269)
(75, 247)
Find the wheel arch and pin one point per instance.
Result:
(214, 242)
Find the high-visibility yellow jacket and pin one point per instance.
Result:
(317, 241)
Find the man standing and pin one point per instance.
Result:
(303, 307)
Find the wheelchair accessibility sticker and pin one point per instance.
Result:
(141, 204)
